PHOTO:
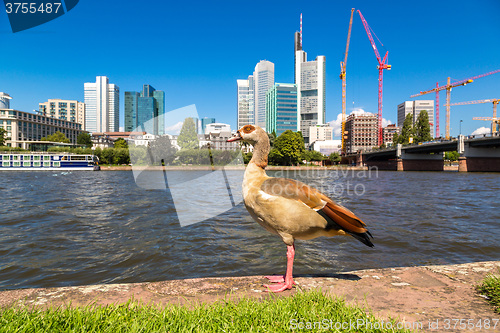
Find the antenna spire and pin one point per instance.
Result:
(301, 30)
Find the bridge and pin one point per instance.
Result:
(477, 153)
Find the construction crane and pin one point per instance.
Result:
(448, 86)
(494, 119)
(382, 64)
(343, 65)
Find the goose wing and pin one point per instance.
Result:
(336, 216)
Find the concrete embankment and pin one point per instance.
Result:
(419, 295)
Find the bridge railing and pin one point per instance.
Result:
(480, 136)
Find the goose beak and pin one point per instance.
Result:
(236, 137)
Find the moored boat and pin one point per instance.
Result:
(35, 161)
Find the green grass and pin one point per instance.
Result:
(491, 287)
(278, 314)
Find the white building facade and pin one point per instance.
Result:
(327, 147)
(414, 108)
(263, 78)
(246, 107)
(102, 106)
(320, 133)
(217, 128)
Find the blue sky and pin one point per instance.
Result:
(196, 50)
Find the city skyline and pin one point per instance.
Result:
(426, 43)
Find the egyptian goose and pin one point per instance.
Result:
(289, 208)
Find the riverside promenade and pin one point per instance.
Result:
(431, 296)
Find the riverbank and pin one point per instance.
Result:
(430, 295)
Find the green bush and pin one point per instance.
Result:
(490, 287)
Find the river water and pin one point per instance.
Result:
(80, 228)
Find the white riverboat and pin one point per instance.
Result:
(38, 161)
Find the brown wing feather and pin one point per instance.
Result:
(346, 222)
(295, 190)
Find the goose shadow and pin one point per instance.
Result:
(340, 276)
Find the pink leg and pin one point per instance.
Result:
(288, 283)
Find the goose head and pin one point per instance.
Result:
(251, 134)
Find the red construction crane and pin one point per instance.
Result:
(494, 119)
(343, 65)
(381, 66)
(448, 86)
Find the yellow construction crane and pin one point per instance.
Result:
(448, 86)
(342, 77)
(494, 120)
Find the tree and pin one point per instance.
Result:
(306, 155)
(3, 138)
(56, 137)
(334, 157)
(395, 138)
(275, 157)
(451, 156)
(289, 148)
(188, 139)
(84, 139)
(407, 130)
(422, 127)
(247, 157)
(121, 156)
(314, 155)
(107, 156)
(162, 149)
(272, 138)
(120, 143)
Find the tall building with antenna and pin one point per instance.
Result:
(311, 84)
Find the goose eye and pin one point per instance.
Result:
(248, 129)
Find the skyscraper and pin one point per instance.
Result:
(311, 83)
(281, 108)
(263, 78)
(102, 107)
(246, 108)
(145, 111)
(159, 97)
(131, 103)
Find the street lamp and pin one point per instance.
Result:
(461, 126)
